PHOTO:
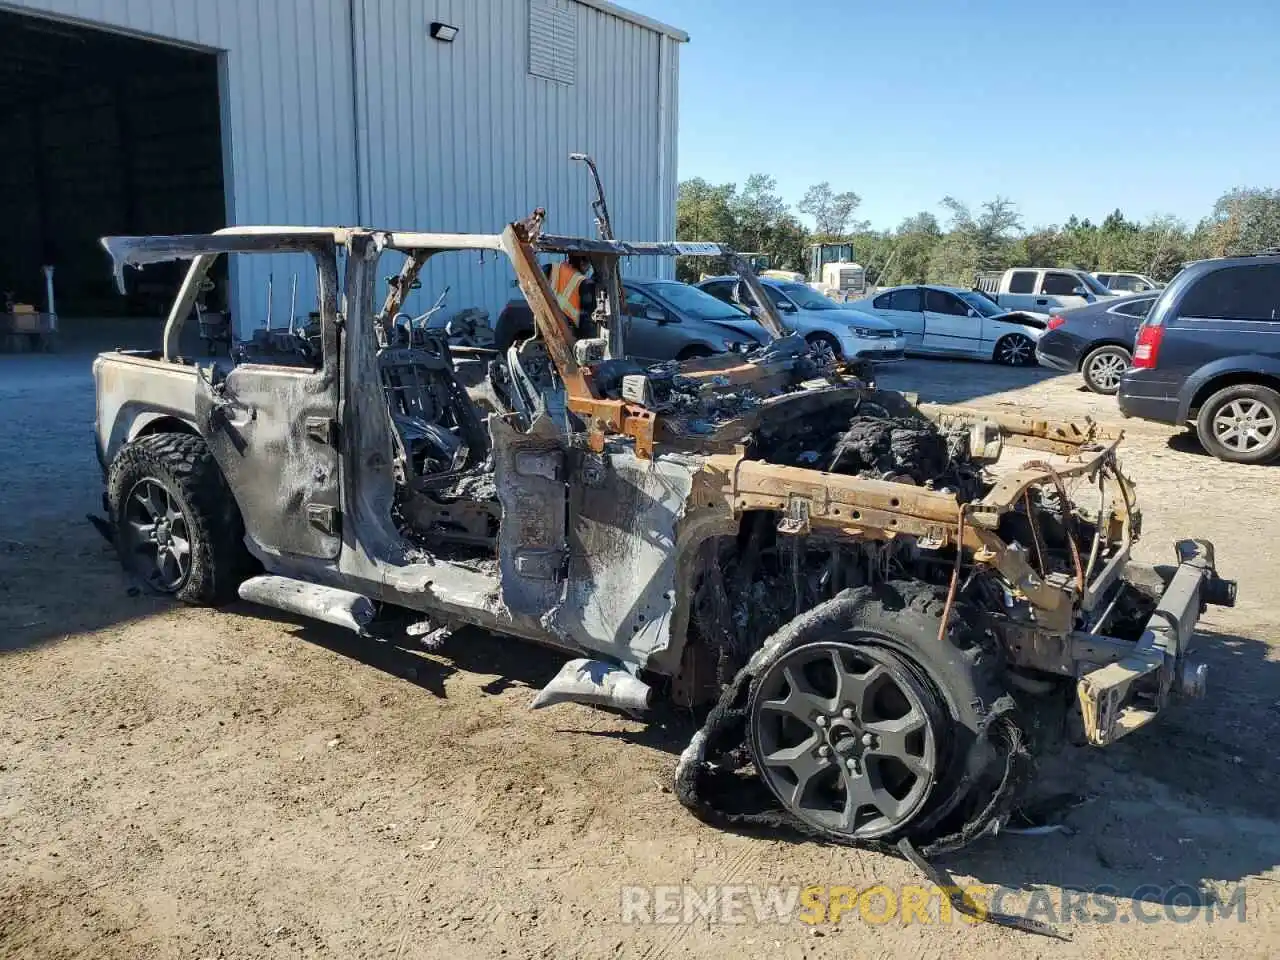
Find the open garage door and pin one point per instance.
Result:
(102, 134)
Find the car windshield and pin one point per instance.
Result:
(1093, 286)
(985, 306)
(807, 298)
(694, 302)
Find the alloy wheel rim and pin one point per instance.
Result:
(1016, 350)
(846, 737)
(157, 536)
(823, 353)
(1244, 425)
(1107, 370)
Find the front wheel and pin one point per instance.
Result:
(694, 353)
(1103, 368)
(1241, 424)
(867, 726)
(824, 347)
(1015, 350)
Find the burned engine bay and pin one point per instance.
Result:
(759, 579)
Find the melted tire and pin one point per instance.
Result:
(184, 467)
(964, 674)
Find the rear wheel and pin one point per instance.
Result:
(1103, 368)
(1241, 423)
(177, 526)
(1015, 350)
(867, 726)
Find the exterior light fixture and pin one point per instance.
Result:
(443, 32)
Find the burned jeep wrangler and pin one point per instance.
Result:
(881, 617)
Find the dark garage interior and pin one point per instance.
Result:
(103, 134)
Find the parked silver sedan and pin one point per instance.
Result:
(952, 321)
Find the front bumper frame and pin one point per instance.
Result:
(1127, 694)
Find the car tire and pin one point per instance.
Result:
(1103, 367)
(1241, 424)
(1015, 350)
(957, 672)
(694, 353)
(825, 342)
(192, 528)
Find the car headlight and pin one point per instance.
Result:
(865, 332)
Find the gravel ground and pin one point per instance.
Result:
(184, 783)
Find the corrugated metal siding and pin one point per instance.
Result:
(451, 136)
(460, 136)
(287, 102)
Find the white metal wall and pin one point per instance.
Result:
(417, 133)
(460, 137)
(287, 102)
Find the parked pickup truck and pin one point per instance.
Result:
(1042, 289)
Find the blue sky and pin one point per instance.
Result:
(1152, 106)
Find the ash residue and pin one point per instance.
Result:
(903, 449)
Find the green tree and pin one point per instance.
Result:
(986, 238)
(758, 210)
(832, 212)
(1244, 220)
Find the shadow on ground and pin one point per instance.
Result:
(958, 381)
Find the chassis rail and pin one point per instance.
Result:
(1123, 696)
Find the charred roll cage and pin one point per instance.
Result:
(829, 564)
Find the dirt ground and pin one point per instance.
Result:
(186, 783)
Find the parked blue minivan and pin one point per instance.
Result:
(1208, 353)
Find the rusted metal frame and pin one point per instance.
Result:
(1109, 574)
(553, 326)
(1104, 693)
(609, 280)
(989, 549)
(1009, 488)
(617, 416)
(398, 290)
(554, 243)
(1025, 431)
(859, 507)
(768, 315)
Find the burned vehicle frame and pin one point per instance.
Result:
(877, 615)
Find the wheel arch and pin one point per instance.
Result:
(1263, 371)
(156, 421)
(1093, 345)
(821, 333)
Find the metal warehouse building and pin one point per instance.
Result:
(175, 116)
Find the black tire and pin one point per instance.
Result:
(903, 617)
(694, 353)
(183, 467)
(827, 341)
(1262, 404)
(1015, 350)
(1099, 368)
